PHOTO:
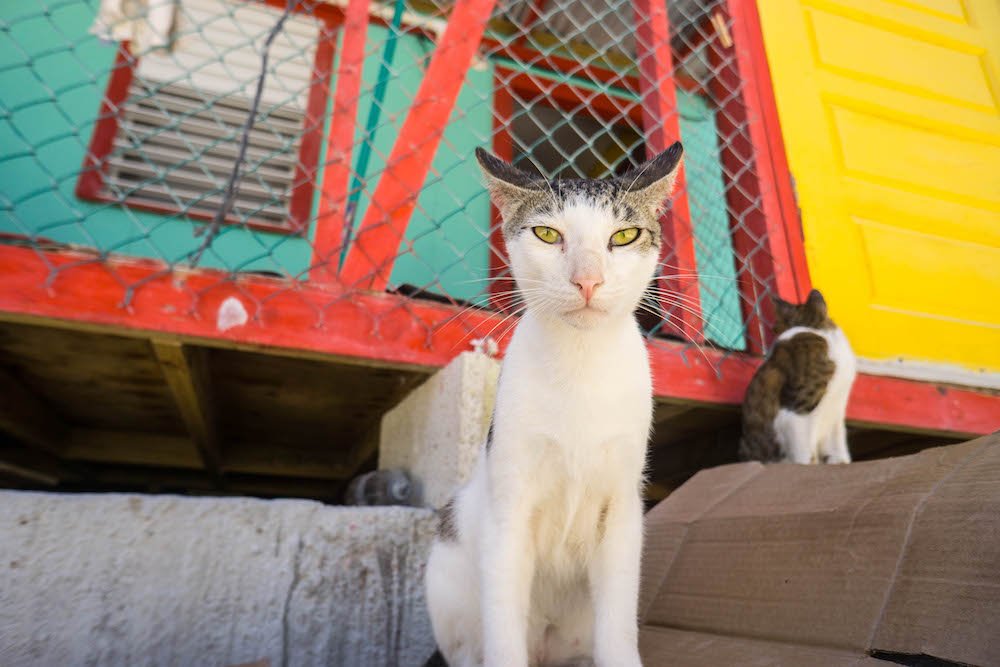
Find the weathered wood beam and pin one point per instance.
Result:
(186, 371)
(363, 451)
(28, 419)
(30, 464)
(664, 412)
(158, 480)
(367, 447)
(133, 448)
(157, 452)
(283, 461)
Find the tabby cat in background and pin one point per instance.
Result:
(795, 406)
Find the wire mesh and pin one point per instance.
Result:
(123, 123)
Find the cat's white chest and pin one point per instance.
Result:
(583, 411)
(843, 356)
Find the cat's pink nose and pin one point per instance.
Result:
(587, 287)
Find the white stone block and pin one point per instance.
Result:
(162, 580)
(436, 432)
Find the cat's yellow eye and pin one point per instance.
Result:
(624, 236)
(547, 234)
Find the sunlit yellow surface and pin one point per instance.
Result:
(890, 112)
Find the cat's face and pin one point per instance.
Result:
(812, 314)
(582, 250)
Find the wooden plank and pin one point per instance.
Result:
(186, 373)
(98, 380)
(661, 125)
(364, 451)
(174, 480)
(665, 412)
(27, 419)
(373, 252)
(132, 447)
(30, 464)
(328, 239)
(266, 459)
(391, 330)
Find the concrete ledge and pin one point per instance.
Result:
(161, 580)
(436, 432)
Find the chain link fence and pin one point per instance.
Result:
(224, 136)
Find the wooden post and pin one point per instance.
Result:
(661, 123)
(767, 234)
(186, 373)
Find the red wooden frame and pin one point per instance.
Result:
(764, 216)
(328, 239)
(78, 289)
(503, 148)
(661, 115)
(372, 254)
(90, 185)
(584, 71)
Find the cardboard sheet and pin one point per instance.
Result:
(901, 555)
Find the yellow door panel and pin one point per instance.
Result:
(909, 280)
(917, 159)
(891, 118)
(951, 72)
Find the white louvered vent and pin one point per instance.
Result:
(180, 128)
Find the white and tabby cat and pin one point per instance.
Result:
(537, 557)
(795, 405)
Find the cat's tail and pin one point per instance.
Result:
(760, 446)
(759, 441)
(436, 660)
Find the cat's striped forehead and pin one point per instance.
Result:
(635, 198)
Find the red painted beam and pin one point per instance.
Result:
(395, 330)
(661, 123)
(764, 218)
(372, 255)
(781, 210)
(503, 147)
(328, 238)
(585, 72)
(283, 314)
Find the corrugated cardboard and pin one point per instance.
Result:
(798, 565)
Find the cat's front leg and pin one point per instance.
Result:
(508, 567)
(614, 582)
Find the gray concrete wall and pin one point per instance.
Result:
(161, 580)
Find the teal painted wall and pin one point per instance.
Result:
(720, 300)
(47, 128)
(53, 75)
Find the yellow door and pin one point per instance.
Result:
(889, 111)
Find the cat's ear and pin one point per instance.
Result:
(816, 303)
(650, 184)
(510, 188)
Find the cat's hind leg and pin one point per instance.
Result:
(453, 603)
(833, 448)
(796, 434)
